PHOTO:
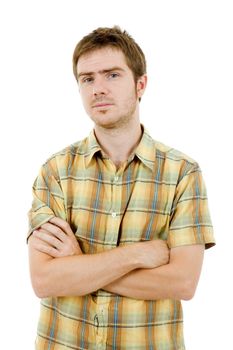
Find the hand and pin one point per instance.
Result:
(152, 254)
(56, 239)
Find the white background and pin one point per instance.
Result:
(187, 105)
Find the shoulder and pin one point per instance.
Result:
(173, 154)
(173, 162)
(60, 161)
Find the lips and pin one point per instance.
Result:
(102, 104)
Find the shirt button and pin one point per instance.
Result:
(113, 214)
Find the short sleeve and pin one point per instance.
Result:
(190, 221)
(48, 199)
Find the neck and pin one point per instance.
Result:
(119, 143)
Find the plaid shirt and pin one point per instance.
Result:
(158, 193)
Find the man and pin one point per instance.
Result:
(119, 222)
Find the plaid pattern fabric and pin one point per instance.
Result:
(158, 193)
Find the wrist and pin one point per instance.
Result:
(131, 254)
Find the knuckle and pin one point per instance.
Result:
(67, 248)
(69, 244)
(66, 251)
(57, 231)
(54, 241)
(59, 254)
(66, 225)
(49, 250)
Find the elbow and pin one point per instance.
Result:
(187, 291)
(45, 288)
(41, 293)
(39, 287)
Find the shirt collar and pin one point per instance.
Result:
(145, 151)
(92, 147)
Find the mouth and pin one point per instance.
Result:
(102, 105)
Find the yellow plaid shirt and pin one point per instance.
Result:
(158, 193)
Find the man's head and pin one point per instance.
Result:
(111, 72)
(115, 38)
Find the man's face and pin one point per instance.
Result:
(107, 87)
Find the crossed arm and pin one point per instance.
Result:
(177, 279)
(143, 270)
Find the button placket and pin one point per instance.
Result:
(101, 319)
(115, 210)
(115, 179)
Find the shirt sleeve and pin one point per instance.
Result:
(48, 199)
(190, 221)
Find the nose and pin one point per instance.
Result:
(99, 87)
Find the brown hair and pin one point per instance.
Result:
(116, 38)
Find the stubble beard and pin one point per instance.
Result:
(120, 121)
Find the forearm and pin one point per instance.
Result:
(54, 272)
(163, 282)
(176, 280)
(83, 274)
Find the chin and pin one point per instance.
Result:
(104, 120)
(106, 125)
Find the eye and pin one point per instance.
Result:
(87, 80)
(113, 75)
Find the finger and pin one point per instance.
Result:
(62, 224)
(48, 238)
(47, 249)
(54, 230)
(43, 247)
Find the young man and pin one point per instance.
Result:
(119, 222)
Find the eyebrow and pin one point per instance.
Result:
(101, 71)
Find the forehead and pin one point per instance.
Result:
(101, 59)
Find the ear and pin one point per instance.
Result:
(141, 85)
